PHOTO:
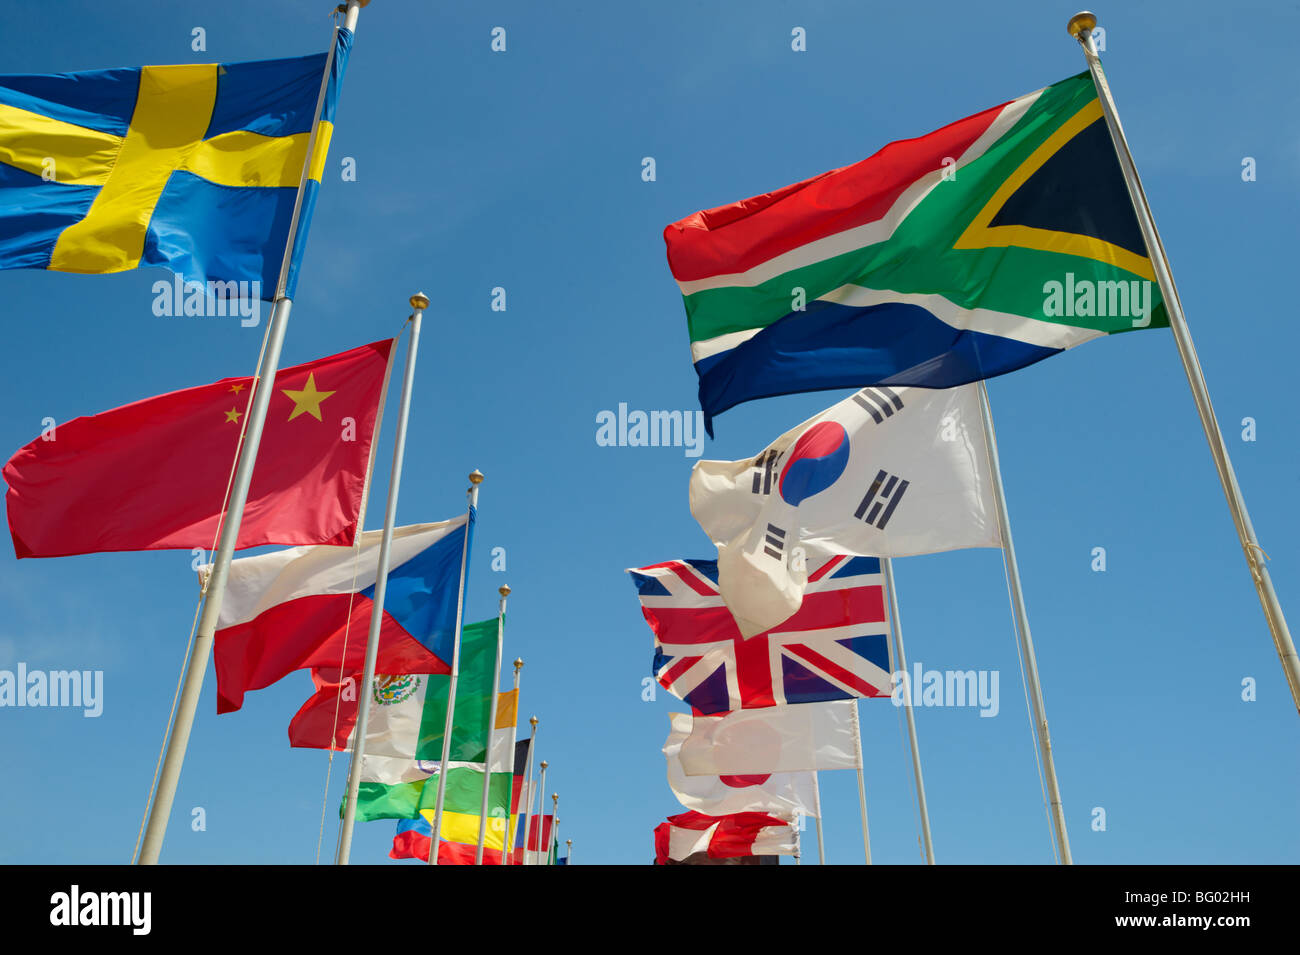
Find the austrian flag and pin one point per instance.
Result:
(836, 647)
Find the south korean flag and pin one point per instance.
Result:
(888, 472)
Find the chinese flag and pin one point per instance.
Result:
(152, 475)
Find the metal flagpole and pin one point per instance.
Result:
(475, 479)
(1080, 27)
(900, 665)
(504, 591)
(419, 302)
(821, 839)
(527, 801)
(862, 785)
(568, 858)
(555, 828)
(506, 847)
(541, 816)
(178, 738)
(1022, 629)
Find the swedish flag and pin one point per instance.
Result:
(195, 168)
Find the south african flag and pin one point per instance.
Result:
(981, 248)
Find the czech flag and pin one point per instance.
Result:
(302, 607)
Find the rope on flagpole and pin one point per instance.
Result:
(347, 626)
(1029, 714)
(203, 593)
(911, 782)
(1024, 685)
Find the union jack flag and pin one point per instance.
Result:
(835, 647)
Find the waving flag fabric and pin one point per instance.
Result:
(541, 834)
(787, 794)
(776, 739)
(412, 842)
(153, 474)
(400, 787)
(298, 608)
(835, 647)
(888, 472)
(980, 248)
(394, 788)
(408, 712)
(195, 168)
(724, 837)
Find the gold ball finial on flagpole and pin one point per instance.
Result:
(476, 476)
(504, 590)
(419, 301)
(519, 664)
(1082, 21)
(533, 721)
(545, 764)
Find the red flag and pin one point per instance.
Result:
(329, 714)
(723, 837)
(153, 474)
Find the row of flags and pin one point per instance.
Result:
(212, 171)
(913, 275)
(990, 244)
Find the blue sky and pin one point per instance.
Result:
(522, 170)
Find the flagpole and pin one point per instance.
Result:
(507, 846)
(1026, 640)
(1080, 27)
(419, 302)
(900, 665)
(541, 815)
(568, 846)
(555, 827)
(504, 591)
(862, 785)
(178, 738)
(475, 479)
(528, 788)
(821, 840)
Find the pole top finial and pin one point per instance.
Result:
(533, 720)
(476, 477)
(504, 590)
(555, 797)
(1081, 21)
(519, 663)
(419, 301)
(568, 842)
(545, 764)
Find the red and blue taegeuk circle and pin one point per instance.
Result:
(816, 462)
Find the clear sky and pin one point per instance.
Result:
(522, 170)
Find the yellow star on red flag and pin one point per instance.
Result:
(308, 399)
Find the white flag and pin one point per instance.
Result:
(781, 793)
(773, 739)
(888, 472)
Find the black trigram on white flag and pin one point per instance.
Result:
(881, 499)
(880, 403)
(774, 544)
(765, 471)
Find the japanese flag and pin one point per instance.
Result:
(779, 793)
